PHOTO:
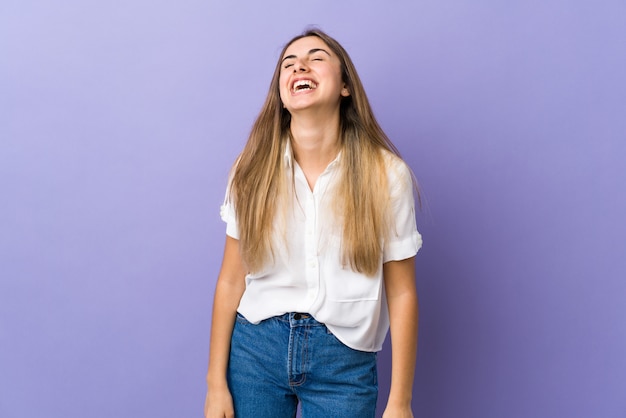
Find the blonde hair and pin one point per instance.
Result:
(360, 202)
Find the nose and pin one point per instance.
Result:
(299, 66)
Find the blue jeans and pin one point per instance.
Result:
(293, 358)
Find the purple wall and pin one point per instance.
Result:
(120, 119)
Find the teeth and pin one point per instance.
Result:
(303, 84)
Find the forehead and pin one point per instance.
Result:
(303, 45)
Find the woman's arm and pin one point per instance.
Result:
(228, 290)
(401, 292)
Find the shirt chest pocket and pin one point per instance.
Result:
(348, 286)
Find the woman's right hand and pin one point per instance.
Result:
(219, 404)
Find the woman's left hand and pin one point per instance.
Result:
(398, 412)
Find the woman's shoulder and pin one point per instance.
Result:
(397, 169)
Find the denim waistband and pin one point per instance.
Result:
(299, 319)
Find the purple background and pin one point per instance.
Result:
(119, 121)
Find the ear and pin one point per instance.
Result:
(345, 92)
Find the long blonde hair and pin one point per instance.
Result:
(258, 187)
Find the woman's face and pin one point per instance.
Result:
(310, 76)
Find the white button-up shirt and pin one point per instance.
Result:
(307, 273)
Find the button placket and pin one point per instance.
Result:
(311, 263)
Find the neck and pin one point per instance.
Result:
(315, 142)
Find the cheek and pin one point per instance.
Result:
(282, 87)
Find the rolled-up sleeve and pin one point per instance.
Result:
(403, 241)
(227, 213)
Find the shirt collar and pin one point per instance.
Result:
(288, 153)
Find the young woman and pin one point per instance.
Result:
(319, 257)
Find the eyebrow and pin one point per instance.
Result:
(311, 52)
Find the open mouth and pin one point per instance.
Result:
(302, 85)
